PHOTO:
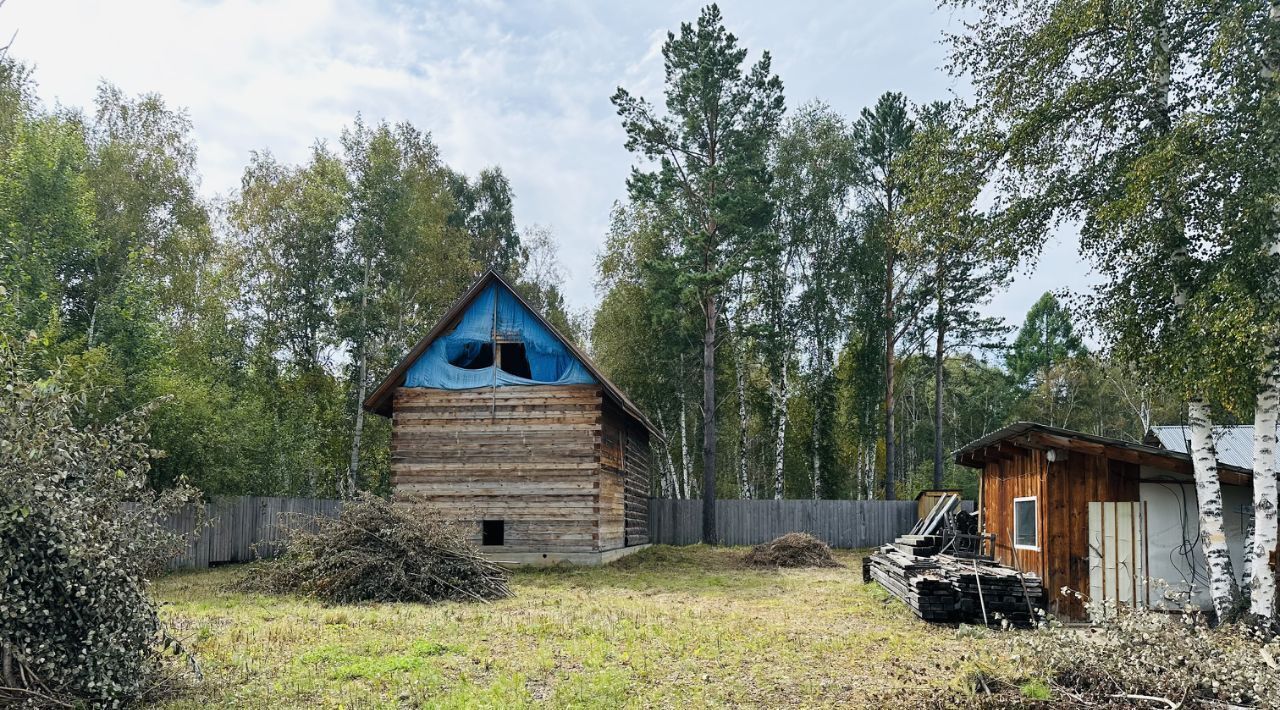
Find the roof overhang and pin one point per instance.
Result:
(379, 401)
(1016, 438)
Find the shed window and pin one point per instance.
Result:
(1025, 535)
(492, 532)
(474, 356)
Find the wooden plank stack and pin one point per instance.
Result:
(946, 588)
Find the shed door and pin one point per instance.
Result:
(1118, 553)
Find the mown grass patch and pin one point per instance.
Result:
(665, 627)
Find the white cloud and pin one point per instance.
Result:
(521, 85)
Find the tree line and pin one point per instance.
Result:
(800, 281)
(259, 320)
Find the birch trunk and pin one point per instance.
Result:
(938, 372)
(669, 486)
(1266, 498)
(353, 470)
(780, 396)
(1223, 590)
(1262, 590)
(686, 466)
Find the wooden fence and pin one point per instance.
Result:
(239, 528)
(839, 523)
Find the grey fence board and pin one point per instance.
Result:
(839, 523)
(240, 528)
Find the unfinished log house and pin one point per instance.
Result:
(502, 424)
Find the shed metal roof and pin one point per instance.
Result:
(1234, 443)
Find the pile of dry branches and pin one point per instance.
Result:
(792, 550)
(378, 551)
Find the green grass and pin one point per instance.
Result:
(666, 627)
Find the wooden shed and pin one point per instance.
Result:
(1100, 516)
(501, 423)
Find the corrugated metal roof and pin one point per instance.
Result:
(1234, 443)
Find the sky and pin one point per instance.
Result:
(521, 85)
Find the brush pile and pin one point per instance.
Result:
(375, 551)
(792, 550)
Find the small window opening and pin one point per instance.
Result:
(492, 532)
(1025, 535)
(513, 360)
(475, 356)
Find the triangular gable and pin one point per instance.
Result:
(523, 320)
(464, 356)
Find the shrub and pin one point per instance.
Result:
(378, 551)
(792, 550)
(79, 533)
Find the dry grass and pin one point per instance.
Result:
(668, 627)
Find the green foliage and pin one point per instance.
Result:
(80, 533)
(1047, 338)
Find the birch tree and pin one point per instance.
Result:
(706, 177)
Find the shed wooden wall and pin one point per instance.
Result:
(551, 461)
(1063, 491)
(525, 455)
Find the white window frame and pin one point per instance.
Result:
(1035, 523)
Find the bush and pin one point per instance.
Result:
(378, 551)
(79, 533)
(792, 550)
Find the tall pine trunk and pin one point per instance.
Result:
(1223, 589)
(353, 471)
(939, 350)
(744, 482)
(890, 331)
(711, 309)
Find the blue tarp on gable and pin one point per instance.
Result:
(445, 363)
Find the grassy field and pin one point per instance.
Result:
(664, 628)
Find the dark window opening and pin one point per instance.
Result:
(1025, 534)
(474, 356)
(492, 532)
(513, 360)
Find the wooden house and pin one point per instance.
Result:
(1112, 519)
(501, 423)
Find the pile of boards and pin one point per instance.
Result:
(946, 588)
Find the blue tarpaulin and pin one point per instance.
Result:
(462, 358)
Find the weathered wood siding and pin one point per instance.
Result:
(549, 461)
(636, 457)
(1063, 490)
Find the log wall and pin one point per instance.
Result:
(546, 460)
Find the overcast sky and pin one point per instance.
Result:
(522, 85)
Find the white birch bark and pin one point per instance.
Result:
(1262, 590)
(686, 466)
(667, 464)
(780, 396)
(1223, 590)
(744, 482)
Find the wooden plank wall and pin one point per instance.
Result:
(637, 485)
(840, 523)
(240, 528)
(526, 455)
(1064, 490)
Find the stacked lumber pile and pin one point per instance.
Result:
(946, 588)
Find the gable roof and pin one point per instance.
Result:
(379, 402)
(1234, 444)
(1043, 436)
